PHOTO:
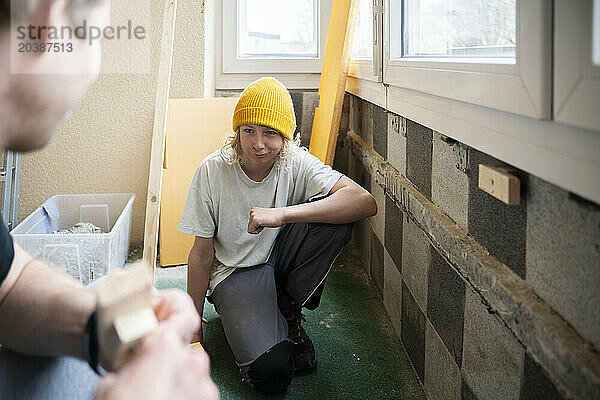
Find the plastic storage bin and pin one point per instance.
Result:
(84, 256)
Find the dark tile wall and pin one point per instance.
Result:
(393, 232)
(377, 263)
(419, 146)
(467, 393)
(536, 384)
(446, 304)
(380, 131)
(413, 331)
(297, 101)
(500, 228)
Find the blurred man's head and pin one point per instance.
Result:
(34, 99)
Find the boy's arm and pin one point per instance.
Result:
(348, 202)
(200, 262)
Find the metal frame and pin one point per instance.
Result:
(10, 200)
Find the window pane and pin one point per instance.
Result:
(596, 33)
(362, 46)
(275, 28)
(460, 28)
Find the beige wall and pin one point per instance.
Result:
(104, 146)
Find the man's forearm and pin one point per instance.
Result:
(345, 205)
(45, 312)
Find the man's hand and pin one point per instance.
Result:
(265, 218)
(175, 310)
(161, 368)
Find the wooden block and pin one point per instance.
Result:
(125, 312)
(196, 347)
(135, 325)
(499, 183)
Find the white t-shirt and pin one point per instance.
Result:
(221, 196)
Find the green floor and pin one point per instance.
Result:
(359, 354)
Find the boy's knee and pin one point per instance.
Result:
(272, 372)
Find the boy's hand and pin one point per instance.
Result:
(265, 218)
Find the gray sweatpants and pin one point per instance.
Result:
(246, 300)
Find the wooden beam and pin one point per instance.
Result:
(332, 86)
(501, 184)
(158, 135)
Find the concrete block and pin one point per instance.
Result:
(393, 232)
(449, 185)
(418, 156)
(310, 101)
(378, 220)
(415, 260)
(297, 97)
(376, 268)
(442, 375)
(492, 361)
(366, 123)
(467, 393)
(536, 384)
(355, 118)
(351, 167)
(396, 147)
(413, 331)
(380, 131)
(345, 119)
(392, 291)
(563, 255)
(340, 160)
(500, 228)
(358, 173)
(446, 304)
(362, 239)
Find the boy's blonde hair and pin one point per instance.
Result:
(232, 149)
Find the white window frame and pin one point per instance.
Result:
(576, 77)
(371, 69)
(522, 88)
(232, 64)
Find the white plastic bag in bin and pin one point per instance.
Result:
(83, 256)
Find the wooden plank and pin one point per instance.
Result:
(499, 183)
(158, 135)
(326, 122)
(195, 128)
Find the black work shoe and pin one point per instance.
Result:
(304, 351)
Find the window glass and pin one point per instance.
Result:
(362, 46)
(278, 29)
(459, 28)
(596, 33)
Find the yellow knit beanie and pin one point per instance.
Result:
(266, 102)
